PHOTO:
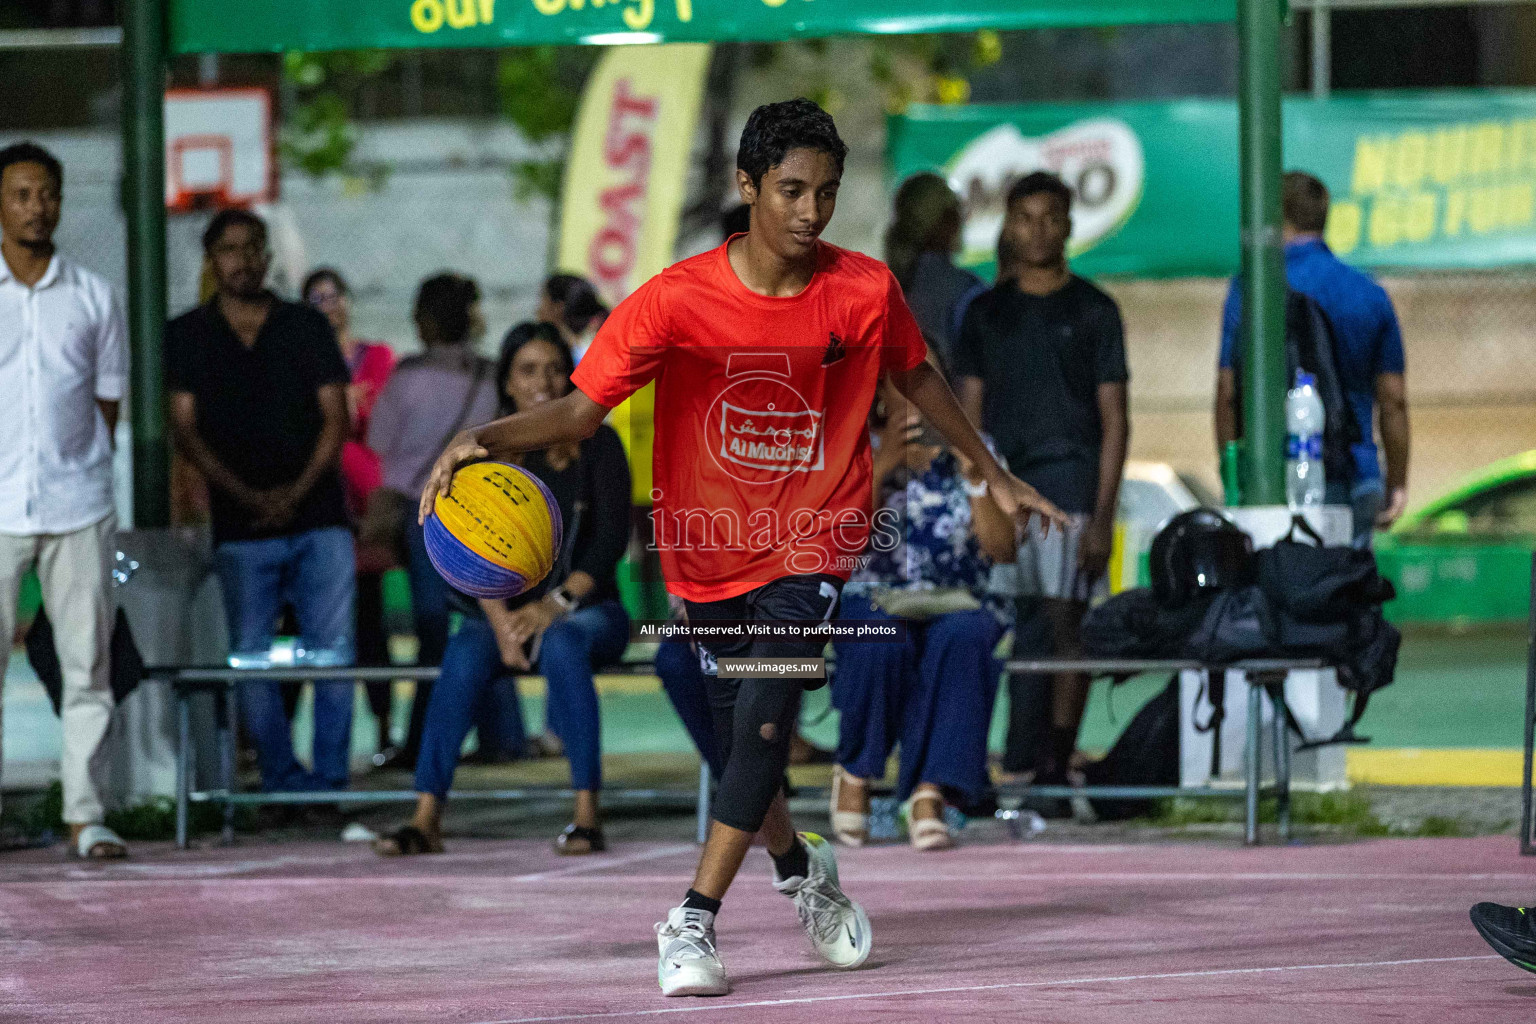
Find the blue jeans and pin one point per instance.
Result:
(677, 665)
(429, 614)
(932, 695)
(312, 571)
(471, 691)
(568, 653)
(1366, 499)
(498, 719)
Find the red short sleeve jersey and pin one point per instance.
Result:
(762, 460)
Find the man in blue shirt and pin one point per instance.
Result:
(1369, 354)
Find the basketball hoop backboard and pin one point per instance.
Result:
(218, 148)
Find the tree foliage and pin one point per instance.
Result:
(539, 91)
(318, 134)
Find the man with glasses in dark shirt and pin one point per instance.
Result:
(258, 405)
(1040, 364)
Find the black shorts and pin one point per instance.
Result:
(755, 718)
(812, 597)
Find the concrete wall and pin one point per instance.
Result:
(1471, 393)
(447, 203)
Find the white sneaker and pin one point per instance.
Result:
(837, 926)
(689, 965)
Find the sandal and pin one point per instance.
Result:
(803, 751)
(406, 841)
(97, 842)
(851, 828)
(569, 843)
(928, 833)
(545, 744)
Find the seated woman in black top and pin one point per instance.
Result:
(567, 626)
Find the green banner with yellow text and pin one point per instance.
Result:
(1426, 180)
(253, 26)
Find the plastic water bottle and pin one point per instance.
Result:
(289, 652)
(1304, 482)
(883, 814)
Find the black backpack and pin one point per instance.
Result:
(1146, 754)
(126, 663)
(1310, 345)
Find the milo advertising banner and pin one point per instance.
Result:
(1436, 180)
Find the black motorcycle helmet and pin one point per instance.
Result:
(1199, 550)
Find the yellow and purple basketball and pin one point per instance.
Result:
(496, 533)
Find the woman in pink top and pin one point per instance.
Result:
(370, 363)
(361, 473)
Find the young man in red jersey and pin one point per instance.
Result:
(766, 353)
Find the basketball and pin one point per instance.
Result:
(496, 532)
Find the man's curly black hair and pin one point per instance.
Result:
(32, 153)
(776, 128)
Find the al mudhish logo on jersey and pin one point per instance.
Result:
(771, 438)
(763, 429)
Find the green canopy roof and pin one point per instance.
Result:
(250, 26)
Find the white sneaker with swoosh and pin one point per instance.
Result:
(689, 965)
(836, 926)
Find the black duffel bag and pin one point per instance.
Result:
(1238, 625)
(1314, 583)
(1135, 624)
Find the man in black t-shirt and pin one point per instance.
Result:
(258, 405)
(1040, 364)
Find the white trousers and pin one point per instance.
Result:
(75, 570)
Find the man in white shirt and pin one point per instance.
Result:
(63, 370)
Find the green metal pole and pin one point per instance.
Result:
(1263, 267)
(143, 77)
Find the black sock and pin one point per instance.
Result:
(1063, 742)
(794, 861)
(698, 901)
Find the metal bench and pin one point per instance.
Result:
(1263, 676)
(223, 684)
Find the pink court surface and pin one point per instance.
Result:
(507, 931)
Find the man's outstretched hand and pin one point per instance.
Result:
(1019, 500)
(463, 448)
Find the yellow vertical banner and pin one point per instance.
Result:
(624, 182)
